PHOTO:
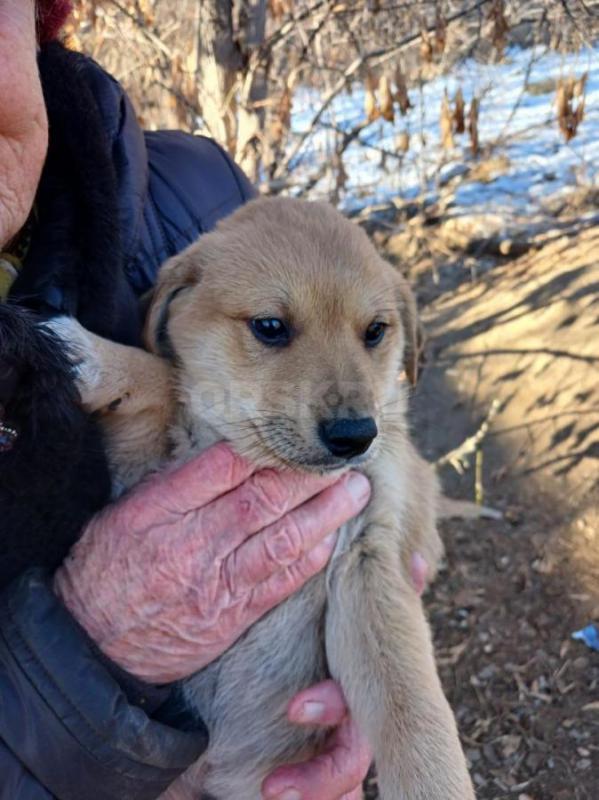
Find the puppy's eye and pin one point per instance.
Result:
(271, 331)
(374, 333)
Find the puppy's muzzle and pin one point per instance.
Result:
(346, 438)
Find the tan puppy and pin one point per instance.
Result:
(284, 333)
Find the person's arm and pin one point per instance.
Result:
(66, 727)
(18, 782)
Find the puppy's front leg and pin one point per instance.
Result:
(132, 392)
(379, 648)
(111, 376)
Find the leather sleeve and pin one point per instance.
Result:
(67, 729)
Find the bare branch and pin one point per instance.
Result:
(458, 457)
(376, 56)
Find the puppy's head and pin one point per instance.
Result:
(290, 333)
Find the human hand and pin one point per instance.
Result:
(339, 771)
(168, 578)
(23, 121)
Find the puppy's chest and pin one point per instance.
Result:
(347, 535)
(379, 522)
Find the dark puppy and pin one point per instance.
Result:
(53, 476)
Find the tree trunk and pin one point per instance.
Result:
(251, 21)
(232, 77)
(219, 63)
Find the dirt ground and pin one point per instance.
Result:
(523, 331)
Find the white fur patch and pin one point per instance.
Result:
(80, 348)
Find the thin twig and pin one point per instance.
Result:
(479, 492)
(521, 351)
(288, 26)
(379, 55)
(347, 137)
(458, 457)
(532, 60)
(151, 35)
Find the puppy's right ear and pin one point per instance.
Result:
(177, 274)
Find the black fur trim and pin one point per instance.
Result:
(55, 477)
(75, 262)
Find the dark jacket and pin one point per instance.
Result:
(113, 204)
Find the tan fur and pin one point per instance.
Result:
(305, 263)
(132, 390)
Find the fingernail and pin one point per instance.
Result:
(358, 486)
(419, 572)
(419, 562)
(289, 794)
(312, 711)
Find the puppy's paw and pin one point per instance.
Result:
(80, 349)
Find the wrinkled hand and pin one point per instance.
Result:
(23, 122)
(168, 578)
(339, 771)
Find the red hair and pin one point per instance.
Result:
(51, 15)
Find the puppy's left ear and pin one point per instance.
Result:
(179, 273)
(412, 327)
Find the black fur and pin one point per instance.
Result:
(163, 340)
(55, 477)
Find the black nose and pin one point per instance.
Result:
(347, 437)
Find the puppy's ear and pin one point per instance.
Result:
(181, 272)
(413, 330)
(145, 301)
